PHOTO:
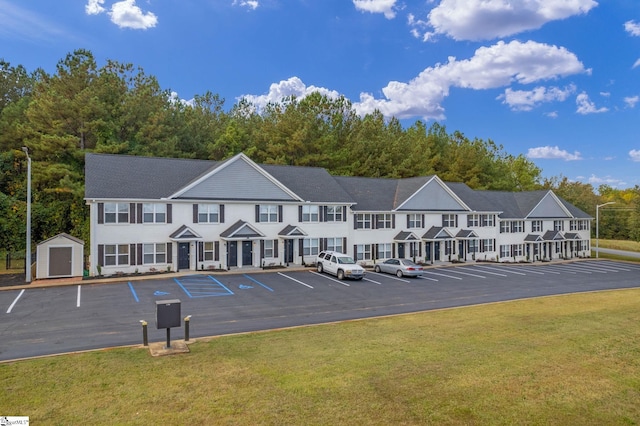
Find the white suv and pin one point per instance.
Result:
(339, 264)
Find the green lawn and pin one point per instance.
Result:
(567, 360)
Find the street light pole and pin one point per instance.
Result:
(597, 225)
(27, 254)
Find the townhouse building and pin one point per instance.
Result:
(151, 214)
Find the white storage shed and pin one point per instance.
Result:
(60, 256)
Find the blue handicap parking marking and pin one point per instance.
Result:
(244, 287)
(258, 282)
(202, 286)
(160, 293)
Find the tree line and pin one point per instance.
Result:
(119, 109)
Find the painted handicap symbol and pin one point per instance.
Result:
(244, 287)
(160, 293)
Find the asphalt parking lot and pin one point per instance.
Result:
(42, 321)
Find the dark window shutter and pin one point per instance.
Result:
(456, 220)
(408, 216)
(261, 249)
(355, 252)
(257, 213)
(200, 251)
(139, 212)
(132, 254)
(221, 213)
(280, 213)
(100, 213)
(169, 253)
(276, 253)
(344, 244)
(216, 254)
(344, 213)
(374, 221)
(169, 213)
(299, 213)
(355, 221)
(323, 213)
(132, 212)
(195, 213)
(100, 254)
(139, 258)
(393, 250)
(419, 249)
(422, 221)
(393, 221)
(300, 247)
(376, 252)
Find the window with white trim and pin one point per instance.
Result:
(383, 221)
(116, 254)
(268, 248)
(517, 250)
(505, 227)
(310, 213)
(335, 244)
(310, 246)
(415, 220)
(449, 220)
(558, 225)
(486, 245)
(448, 247)
(268, 213)
(363, 252)
(487, 220)
(473, 220)
(334, 214)
(473, 246)
(208, 213)
(536, 226)
(154, 213)
(153, 253)
(363, 221)
(505, 250)
(116, 212)
(517, 226)
(208, 250)
(384, 251)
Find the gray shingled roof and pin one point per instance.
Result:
(310, 183)
(370, 194)
(132, 177)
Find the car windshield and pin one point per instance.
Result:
(346, 260)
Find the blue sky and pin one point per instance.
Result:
(555, 80)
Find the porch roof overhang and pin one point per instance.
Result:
(466, 234)
(437, 233)
(184, 233)
(241, 230)
(292, 231)
(553, 236)
(533, 238)
(572, 236)
(406, 236)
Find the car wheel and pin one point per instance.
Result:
(399, 273)
(377, 269)
(320, 267)
(340, 274)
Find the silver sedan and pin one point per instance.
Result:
(399, 267)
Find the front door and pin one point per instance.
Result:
(436, 250)
(247, 253)
(427, 252)
(401, 250)
(288, 251)
(232, 253)
(461, 250)
(183, 256)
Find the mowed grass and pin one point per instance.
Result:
(566, 360)
(617, 244)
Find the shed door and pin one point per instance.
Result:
(60, 261)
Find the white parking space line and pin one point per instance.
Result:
(293, 279)
(372, 281)
(329, 278)
(563, 269)
(598, 268)
(574, 268)
(78, 301)
(530, 271)
(443, 275)
(422, 277)
(15, 301)
(501, 269)
(391, 277)
(619, 268)
(489, 272)
(455, 271)
(547, 271)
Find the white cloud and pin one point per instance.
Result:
(94, 7)
(286, 88)
(636, 64)
(552, 152)
(250, 4)
(635, 155)
(489, 19)
(607, 180)
(17, 22)
(490, 67)
(377, 6)
(631, 101)
(526, 100)
(124, 13)
(585, 106)
(552, 114)
(632, 28)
